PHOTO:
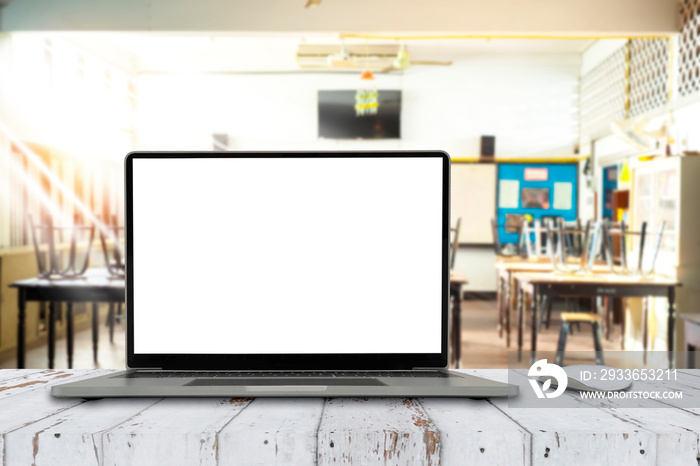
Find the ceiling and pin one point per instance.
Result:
(275, 52)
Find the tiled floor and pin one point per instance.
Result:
(483, 349)
(481, 346)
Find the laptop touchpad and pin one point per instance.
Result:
(274, 382)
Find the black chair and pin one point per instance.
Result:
(616, 251)
(112, 240)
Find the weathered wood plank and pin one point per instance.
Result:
(377, 431)
(40, 429)
(596, 435)
(687, 383)
(273, 431)
(498, 375)
(692, 372)
(677, 432)
(72, 436)
(475, 432)
(173, 431)
(677, 429)
(7, 374)
(31, 402)
(31, 380)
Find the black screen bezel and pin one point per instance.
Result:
(355, 361)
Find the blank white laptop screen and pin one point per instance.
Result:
(287, 255)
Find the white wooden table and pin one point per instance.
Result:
(36, 428)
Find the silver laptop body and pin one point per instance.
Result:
(287, 274)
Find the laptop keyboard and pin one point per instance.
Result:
(326, 374)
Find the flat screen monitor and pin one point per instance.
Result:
(337, 118)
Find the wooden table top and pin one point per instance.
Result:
(541, 266)
(507, 260)
(458, 278)
(594, 278)
(36, 428)
(524, 266)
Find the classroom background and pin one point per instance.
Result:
(573, 135)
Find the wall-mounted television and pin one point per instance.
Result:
(337, 118)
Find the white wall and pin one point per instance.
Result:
(5, 174)
(478, 265)
(44, 99)
(472, 16)
(529, 103)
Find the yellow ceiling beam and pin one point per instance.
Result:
(501, 36)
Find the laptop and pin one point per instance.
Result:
(300, 274)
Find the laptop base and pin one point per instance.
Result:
(120, 384)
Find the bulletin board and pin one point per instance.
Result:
(473, 198)
(536, 191)
(609, 185)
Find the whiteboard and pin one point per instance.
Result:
(474, 200)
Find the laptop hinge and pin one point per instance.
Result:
(428, 368)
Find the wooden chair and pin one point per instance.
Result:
(567, 318)
(48, 236)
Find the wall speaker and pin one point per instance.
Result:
(488, 146)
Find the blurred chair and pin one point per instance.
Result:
(616, 251)
(569, 247)
(51, 238)
(536, 241)
(657, 247)
(531, 238)
(509, 250)
(567, 318)
(573, 237)
(112, 240)
(562, 241)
